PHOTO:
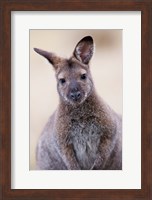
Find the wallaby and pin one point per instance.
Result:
(84, 133)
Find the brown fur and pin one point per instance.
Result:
(84, 132)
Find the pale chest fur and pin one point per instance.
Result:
(85, 138)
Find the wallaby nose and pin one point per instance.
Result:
(75, 95)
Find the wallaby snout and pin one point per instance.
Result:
(75, 92)
(75, 95)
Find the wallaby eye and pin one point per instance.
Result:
(83, 76)
(62, 80)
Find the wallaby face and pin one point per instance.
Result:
(74, 82)
(84, 132)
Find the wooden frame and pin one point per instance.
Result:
(6, 6)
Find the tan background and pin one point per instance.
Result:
(106, 67)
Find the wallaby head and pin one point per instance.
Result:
(74, 82)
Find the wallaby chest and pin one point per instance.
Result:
(85, 137)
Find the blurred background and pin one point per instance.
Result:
(106, 68)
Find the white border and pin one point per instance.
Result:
(130, 176)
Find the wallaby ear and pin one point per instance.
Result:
(51, 57)
(84, 49)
